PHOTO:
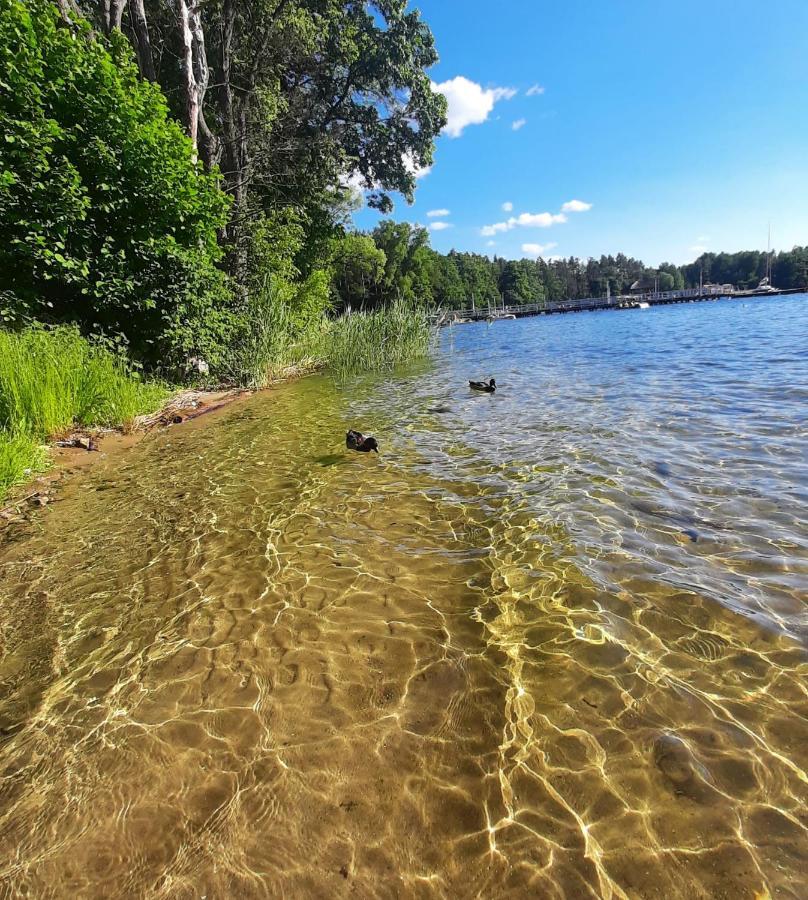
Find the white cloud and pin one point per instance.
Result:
(537, 249)
(491, 244)
(438, 213)
(535, 91)
(440, 226)
(413, 168)
(469, 102)
(525, 220)
(537, 220)
(491, 230)
(576, 206)
(698, 249)
(534, 220)
(519, 123)
(703, 239)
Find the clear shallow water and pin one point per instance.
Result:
(552, 642)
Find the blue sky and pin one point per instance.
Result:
(682, 123)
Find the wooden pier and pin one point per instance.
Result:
(590, 304)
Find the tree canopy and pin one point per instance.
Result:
(162, 160)
(105, 217)
(292, 98)
(413, 270)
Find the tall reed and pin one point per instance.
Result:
(273, 343)
(377, 341)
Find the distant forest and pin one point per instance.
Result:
(395, 259)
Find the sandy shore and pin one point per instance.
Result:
(71, 455)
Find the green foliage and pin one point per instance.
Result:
(106, 219)
(20, 456)
(416, 272)
(53, 380)
(408, 260)
(665, 281)
(378, 340)
(359, 267)
(310, 300)
(274, 241)
(520, 282)
(746, 269)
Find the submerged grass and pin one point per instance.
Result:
(54, 380)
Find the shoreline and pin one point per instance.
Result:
(83, 448)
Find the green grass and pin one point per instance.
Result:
(20, 456)
(270, 344)
(52, 381)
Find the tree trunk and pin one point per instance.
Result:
(141, 29)
(208, 142)
(233, 173)
(68, 10)
(189, 84)
(116, 14)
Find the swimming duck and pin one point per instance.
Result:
(487, 387)
(355, 440)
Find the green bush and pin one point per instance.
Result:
(106, 217)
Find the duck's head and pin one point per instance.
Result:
(492, 382)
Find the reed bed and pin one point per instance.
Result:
(275, 346)
(377, 341)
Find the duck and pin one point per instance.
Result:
(487, 387)
(355, 440)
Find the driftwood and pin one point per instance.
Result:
(184, 406)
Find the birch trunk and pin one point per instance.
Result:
(208, 143)
(189, 84)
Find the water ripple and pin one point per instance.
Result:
(552, 642)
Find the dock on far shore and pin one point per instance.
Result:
(632, 301)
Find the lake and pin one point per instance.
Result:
(551, 642)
